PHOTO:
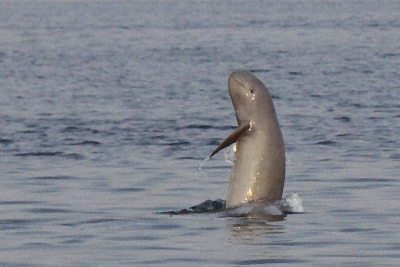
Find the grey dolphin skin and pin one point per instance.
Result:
(259, 163)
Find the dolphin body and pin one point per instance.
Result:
(259, 162)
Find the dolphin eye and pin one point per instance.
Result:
(252, 91)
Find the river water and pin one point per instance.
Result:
(108, 109)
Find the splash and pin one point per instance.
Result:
(201, 166)
(261, 208)
(267, 208)
(291, 204)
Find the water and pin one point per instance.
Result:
(108, 109)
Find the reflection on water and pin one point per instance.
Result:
(248, 227)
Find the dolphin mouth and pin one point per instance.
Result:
(232, 138)
(233, 76)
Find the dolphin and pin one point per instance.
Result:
(259, 162)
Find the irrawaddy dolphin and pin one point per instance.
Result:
(259, 162)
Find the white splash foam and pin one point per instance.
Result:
(201, 166)
(292, 203)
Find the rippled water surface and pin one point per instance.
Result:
(108, 109)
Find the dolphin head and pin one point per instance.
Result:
(245, 90)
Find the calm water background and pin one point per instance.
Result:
(108, 109)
